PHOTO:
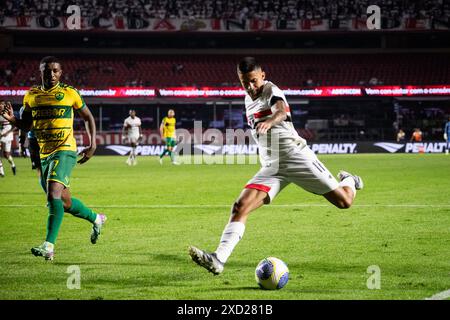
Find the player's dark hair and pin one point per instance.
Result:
(248, 64)
(50, 59)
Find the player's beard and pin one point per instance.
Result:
(254, 94)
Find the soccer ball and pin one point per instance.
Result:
(271, 273)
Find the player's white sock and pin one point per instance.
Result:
(349, 182)
(231, 235)
(2, 171)
(11, 161)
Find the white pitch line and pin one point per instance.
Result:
(168, 206)
(440, 296)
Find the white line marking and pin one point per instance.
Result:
(440, 296)
(193, 206)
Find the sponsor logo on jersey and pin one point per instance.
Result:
(51, 112)
(59, 96)
(44, 136)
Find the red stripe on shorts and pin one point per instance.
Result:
(258, 187)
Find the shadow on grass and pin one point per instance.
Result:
(255, 288)
(21, 193)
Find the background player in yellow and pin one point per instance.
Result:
(49, 111)
(167, 130)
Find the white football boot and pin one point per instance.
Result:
(97, 228)
(208, 261)
(359, 184)
(43, 251)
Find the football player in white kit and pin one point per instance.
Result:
(132, 134)
(6, 138)
(285, 158)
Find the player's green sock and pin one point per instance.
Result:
(172, 156)
(79, 210)
(55, 216)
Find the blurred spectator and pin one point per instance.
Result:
(342, 121)
(373, 81)
(416, 136)
(8, 76)
(177, 68)
(334, 11)
(400, 136)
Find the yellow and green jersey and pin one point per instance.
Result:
(169, 127)
(52, 114)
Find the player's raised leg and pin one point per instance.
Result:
(248, 201)
(77, 208)
(343, 196)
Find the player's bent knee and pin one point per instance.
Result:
(344, 204)
(240, 208)
(53, 195)
(67, 203)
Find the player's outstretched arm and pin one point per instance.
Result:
(140, 134)
(161, 131)
(24, 123)
(124, 131)
(277, 117)
(89, 122)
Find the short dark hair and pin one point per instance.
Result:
(248, 64)
(50, 59)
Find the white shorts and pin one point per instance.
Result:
(5, 145)
(301, 167)
(133, 138)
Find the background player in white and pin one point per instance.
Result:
(6, 139)
(132, 134)
(285, 158)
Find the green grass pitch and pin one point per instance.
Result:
(400, 222)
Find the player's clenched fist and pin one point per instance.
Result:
(263, 127)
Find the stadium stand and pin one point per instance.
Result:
(219, 70)
(200, 9)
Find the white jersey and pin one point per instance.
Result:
(133, 126)
(284, 155)
(5, 127)
(283, 134)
